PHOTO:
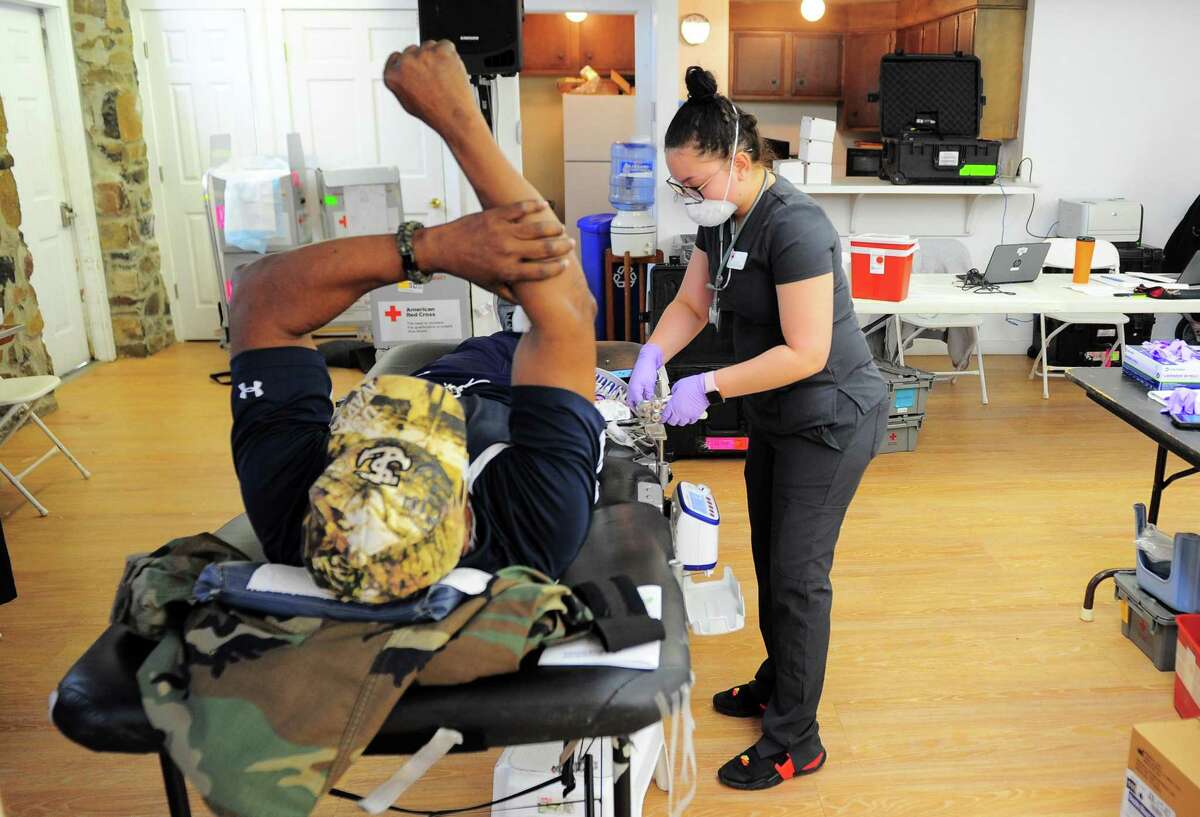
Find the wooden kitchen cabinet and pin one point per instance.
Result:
(606, 43)
(550, 44)
(909, 40)
(757, 63)
(816, 65)
(860, 76)
(947, 34)
(965, 38)
(554, 46)
(930, 36)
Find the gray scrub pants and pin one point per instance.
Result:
(798, 488)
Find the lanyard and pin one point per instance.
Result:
(720, 284)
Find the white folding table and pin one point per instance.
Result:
(944, 295)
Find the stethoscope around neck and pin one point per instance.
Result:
(724, 274)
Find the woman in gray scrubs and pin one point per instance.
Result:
(768, 259)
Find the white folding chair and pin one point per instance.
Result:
(943, 255)
(1062, 254)
(924, 322)
(18, 394)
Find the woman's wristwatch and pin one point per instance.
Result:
(404, 245)
(710, 389)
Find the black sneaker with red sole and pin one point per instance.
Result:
(751, 771)
(743, 701)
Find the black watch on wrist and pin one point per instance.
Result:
(714, 397)
(404, 245)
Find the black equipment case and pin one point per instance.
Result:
(930, 109)
(725, 431)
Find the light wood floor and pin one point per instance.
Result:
(961, 681)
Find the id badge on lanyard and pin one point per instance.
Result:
(731, 260)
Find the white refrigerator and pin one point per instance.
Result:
(591, 123)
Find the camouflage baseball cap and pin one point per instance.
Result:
(387, 517)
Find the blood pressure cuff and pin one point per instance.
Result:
(619, 614)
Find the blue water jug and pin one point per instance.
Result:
(631, 183)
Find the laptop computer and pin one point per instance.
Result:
(1016, 263)
(1191, 273)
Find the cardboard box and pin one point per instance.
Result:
(818, 173)
(1163, 777)
(1163, 376)
(817, 130)
(811, 151)
(790, 169)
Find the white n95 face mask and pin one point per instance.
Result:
(714, 212)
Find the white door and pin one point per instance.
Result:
(199, 85)
(33, 142)
(344, 113)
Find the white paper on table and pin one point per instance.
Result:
(366, 209)
(589, 652)
(1095, 290)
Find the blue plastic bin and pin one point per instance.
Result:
(1181, 589)
(594, 239)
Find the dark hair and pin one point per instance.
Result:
(706, 121)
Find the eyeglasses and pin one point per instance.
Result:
(689, 193)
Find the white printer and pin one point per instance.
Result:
(1113, 220)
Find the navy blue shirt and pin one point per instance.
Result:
(789, 238)
(534, 452)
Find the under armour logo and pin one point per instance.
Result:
(256, 389)
(382, 465)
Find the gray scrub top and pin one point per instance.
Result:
(789, 238)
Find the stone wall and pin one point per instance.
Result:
(141, 312)
(25, 354)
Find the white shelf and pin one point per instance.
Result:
(971, 193)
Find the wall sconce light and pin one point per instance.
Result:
(812, 10)
(576, 16)
(694, 29)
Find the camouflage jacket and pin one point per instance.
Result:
(264, 714)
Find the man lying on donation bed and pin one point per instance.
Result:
(489, 457)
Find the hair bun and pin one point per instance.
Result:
(701, 84)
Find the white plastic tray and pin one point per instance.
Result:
(714, 607)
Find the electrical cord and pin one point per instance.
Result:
(974, 281)
(1004, 212)
(1033, 204)
(566, 778)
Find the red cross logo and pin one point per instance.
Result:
(342, 221)
(394, 313)
(892, 437)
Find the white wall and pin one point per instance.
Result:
(1111, 106)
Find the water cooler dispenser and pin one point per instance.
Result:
(631, 192)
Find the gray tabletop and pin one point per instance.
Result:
(1127, 399)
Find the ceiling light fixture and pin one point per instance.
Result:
(576, 16)
(812, 10)
(694, 29)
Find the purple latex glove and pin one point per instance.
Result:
(1182, 402)
(688, 401)
(1169, 351)
(645, 375)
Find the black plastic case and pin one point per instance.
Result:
(913, 159)
(930, 109)
(937, 94)
(724, 433)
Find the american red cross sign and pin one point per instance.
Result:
(393, 313)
